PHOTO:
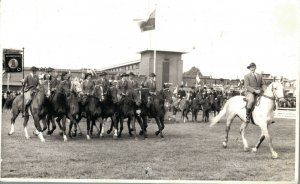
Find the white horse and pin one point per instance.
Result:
(262, 115)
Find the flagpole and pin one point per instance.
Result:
(23, 86)
(154, 45)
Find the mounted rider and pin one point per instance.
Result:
(103, 82)
(87, 87)
(180, 95)
(151, 84)
(122, 86)
(193, 93)
(30, 83)
(64, 84)
(133, 85)
(254, 86)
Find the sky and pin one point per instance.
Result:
(221, 38)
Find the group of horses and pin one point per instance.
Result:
(140, 104)
(207, 102)
(137, 104)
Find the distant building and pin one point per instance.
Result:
(168, 68)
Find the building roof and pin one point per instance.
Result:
(149, 50)
(122, 64)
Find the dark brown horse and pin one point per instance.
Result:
(127, 109)
(157, 108)
(58, 109)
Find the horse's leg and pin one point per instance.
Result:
(242, 132)
(111, 127)
(145, 126)
(133, 127)
(64, 118)
(12, 121)
(37, 125)
(88, 124)
(183, 115)
(139, 120)
(162, 126)
(158, 125)
(121, 126)
(114, 122)
(70, 129)
(227, 129)
(186, 115)
(261, 139)
(53, 124)
(100, 133)
(44, 121)
(128, 125)
(265, 132)
(25, 122)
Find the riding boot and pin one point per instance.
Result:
(248, 115)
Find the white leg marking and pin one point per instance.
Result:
(65, 138)
(12, 129)
(88, 137)
(40, 135)
(26, 133)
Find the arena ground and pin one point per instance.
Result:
(189, 151)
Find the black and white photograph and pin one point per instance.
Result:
(150, 91)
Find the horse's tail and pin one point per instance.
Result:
(216, 119)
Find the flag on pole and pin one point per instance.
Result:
(148, 24)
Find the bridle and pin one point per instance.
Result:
(274, 97)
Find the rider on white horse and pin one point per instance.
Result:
(254, 86)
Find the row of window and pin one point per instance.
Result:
(125, 68)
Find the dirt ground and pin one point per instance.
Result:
(189, 151)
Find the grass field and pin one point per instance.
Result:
(189, 151)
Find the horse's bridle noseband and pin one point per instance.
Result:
(275, 98)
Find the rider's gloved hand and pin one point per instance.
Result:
(258, 91)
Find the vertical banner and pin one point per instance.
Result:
(13, 63)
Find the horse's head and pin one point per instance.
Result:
(135, 96)
(76, 86)
(275, 89)
(112, 94)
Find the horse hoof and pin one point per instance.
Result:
(10, 133)
(108, 131)
(141, 133)
(61, 133)
(74, 134)
(88, 137)
(254, 150)
(43, 140)
(80, 134)
(156, 133)
(27, 137)
(274, 155)
(224, 145)
(246, 149)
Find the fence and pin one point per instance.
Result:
(286, 113)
